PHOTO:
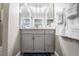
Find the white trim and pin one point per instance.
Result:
(18, 54)
(56, 54)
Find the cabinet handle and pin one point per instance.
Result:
(33, 38)
(0, 20)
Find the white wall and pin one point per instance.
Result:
(13, 27)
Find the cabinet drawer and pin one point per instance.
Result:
(26, 31)
(40, 31)
(50, 31)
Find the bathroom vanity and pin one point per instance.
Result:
(37, 40)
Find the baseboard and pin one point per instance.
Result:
(56, 54)
(18, 54)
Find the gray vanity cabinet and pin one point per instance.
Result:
(39, 43)
(49, 43)
(37, 40)
(27, 42)
(49, 40)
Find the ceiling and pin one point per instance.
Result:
(38, 4)
(34, 9)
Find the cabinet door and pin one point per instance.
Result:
(27, 42)
(39, 43)
(49, 43)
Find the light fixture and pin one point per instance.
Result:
(22, 7)
(36, 9)
(43, 9)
